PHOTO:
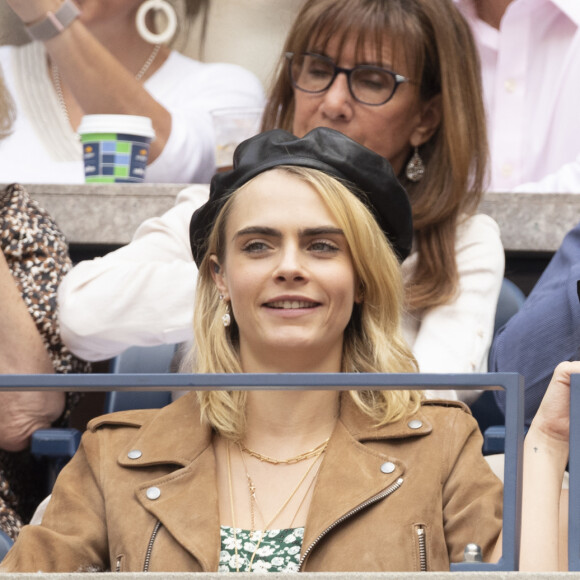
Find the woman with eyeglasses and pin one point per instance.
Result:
(401, 78)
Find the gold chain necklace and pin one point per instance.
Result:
(296, 459)
(55, 73)
(254, 500)
(252, 488)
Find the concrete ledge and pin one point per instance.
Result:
(110, 213)
(533, 222)
(103, 213)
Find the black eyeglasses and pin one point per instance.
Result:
(370, 85)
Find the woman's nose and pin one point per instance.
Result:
(337, 101)
(290, 266)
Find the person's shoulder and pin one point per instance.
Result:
(181, 62)
(478, 231)
(193, 81)
(197, 195)
(479, 222)
(442, 410)
(133, 419)
(446, 415)
(435, 405)
(184, 406)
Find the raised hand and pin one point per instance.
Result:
(553, 417)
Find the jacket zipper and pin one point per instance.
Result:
(392, 488)
(422, 544)
(150, 546)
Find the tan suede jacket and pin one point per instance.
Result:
(141, 494)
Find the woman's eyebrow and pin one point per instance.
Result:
(258, 230)
(321, 231)
(380, 63)
(274, 233)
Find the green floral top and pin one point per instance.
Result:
(279, 550)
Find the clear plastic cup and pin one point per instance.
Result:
(231, 127)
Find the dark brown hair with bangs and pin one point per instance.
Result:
(435, 43)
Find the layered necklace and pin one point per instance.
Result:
(296, 459)
(315, 453)
(55, 73)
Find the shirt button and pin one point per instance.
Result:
(506, 170)
(510, 85)
(388, 467)
(153, 493)
(415, 424)
(134, 454)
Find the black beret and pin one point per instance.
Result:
(359, 168)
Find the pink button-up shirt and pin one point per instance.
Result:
(531, 82)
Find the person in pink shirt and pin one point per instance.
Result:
(530, 61)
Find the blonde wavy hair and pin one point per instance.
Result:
(373, 342)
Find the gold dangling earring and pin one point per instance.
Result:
(415, 168)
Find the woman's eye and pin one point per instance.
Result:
(319, 72)
(254, 247)
(323, 246)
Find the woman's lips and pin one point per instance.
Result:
(290, 304)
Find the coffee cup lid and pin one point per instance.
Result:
(127, 124)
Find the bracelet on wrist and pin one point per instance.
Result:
(54, 22)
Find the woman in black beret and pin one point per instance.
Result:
(298, 251)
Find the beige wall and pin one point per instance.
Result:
(245, 32)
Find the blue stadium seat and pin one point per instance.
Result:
(510, 300)
(5, 544)
(141, 359)
(485, 409)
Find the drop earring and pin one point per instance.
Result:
(415, 168)
(226, 318)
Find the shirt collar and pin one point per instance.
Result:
(569, 7)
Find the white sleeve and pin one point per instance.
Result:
(141, 294)
(565, 180)
(188, 156)
(456, 337)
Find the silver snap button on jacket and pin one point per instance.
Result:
(388, 467)
(134, 454)
(415, 424)
(153, 493)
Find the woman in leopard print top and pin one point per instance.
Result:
(33, 259)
